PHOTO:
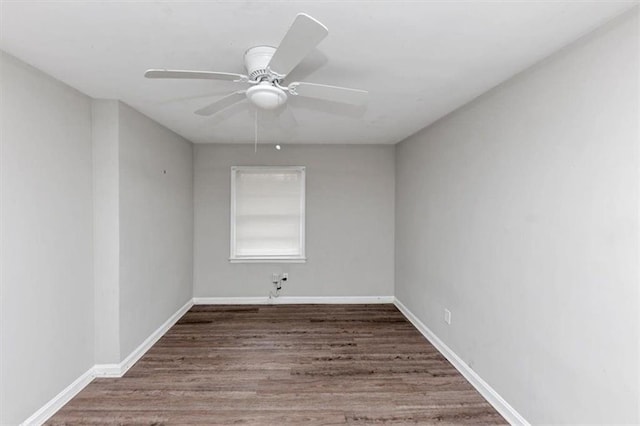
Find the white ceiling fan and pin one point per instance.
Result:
(267, 67)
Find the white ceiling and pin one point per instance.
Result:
(419, 60)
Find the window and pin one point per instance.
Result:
(267, 214)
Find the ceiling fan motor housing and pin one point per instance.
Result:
(266, 67)
(256, 61)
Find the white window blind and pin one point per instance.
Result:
(267, 213)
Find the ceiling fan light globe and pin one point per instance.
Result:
(266, 96)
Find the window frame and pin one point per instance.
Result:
(233, 257)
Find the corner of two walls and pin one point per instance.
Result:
(106, 229)
(520, 214)
(143, 227)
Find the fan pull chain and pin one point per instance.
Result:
(255, 133)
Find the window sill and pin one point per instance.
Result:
(269, 260)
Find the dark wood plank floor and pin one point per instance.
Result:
(285, 364)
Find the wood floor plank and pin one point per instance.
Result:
(285, 365)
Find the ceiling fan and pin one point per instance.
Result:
(267, 67)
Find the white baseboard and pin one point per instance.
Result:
(104, 370)
(107, 370)
(230, 300)
(291, 300)
(58, 401)
(499, 403)
(118, 370)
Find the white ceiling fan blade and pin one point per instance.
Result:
(206, 75)
(303, 36)
(223, 103)
(329, 93)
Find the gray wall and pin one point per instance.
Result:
(71, 169)
(519, 213)
(143, 227)
(46, 278)
(156, 225)
(106, 229)
(349, 222)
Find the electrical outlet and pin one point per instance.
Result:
(447, 316)
(285, 276)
